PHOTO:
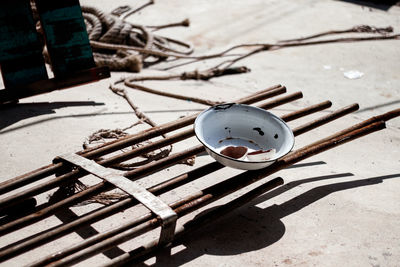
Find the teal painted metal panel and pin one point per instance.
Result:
(21, 59)
(66, 37)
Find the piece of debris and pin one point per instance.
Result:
(353, 74)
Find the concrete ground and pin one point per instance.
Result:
(341, 209)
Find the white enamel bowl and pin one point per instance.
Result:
(242, 125)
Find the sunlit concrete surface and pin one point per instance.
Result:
(340, 208)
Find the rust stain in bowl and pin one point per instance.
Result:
(235, 152)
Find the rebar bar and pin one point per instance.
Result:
(383, 117)
(325, 119)
(311, 109)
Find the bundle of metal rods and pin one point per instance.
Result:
(128, 230)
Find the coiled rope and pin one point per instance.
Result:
(125, 46)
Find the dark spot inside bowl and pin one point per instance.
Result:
(234, 151)
(258, 129)
(276, 136)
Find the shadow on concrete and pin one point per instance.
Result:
(377, 4)
(306, 164)
(262, 226)
(13, 113)
(394, 102)
(67, 216)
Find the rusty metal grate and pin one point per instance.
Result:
(20, 192)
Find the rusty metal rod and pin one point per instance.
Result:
(115, 145)
(281, 100)
(244, 100)
(163, 163)
(218, 191)
(29, 177)
(123, 142)
(309, 110)
(158, 189)
(48, 210)
(250, 177)
(262, 95)
(383, 117)
(325, 119)
(171, 139)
